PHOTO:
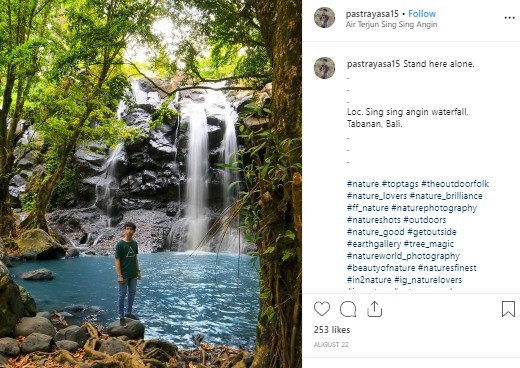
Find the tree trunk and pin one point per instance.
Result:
(36, 218)
(279, 336)
(7, 220)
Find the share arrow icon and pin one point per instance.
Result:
(374, 310)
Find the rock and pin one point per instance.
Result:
(215, 136)
(144, 97)
(9, 346)
(118, 163)
(70, 249)
(17, 187)
(214, 156)
(28, 301)
(3, 360)
(173, 208)
(142, 160)
(113, 346)
(36, 342)
(67, 345)
(12, 306)
(39, 274)
(90, 157)
(44, 315)
(196, 95)
(37, 244)
(26, 163)
(29, 325)
(72, 333)
(15, 195)
(3, 254)
(18, 181)
(217, 120)
(160, 147)
(134, 329)
(141, 119)
(71, 252)
(97, 147)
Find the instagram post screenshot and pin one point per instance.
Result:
(410, 194)
(151, 183)
(152, 201)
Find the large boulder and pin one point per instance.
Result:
(39, 274)
(29, 325)
(12, 305)
(134, 329)
(73, 333)
(67, 345)
(37, 244)
(36, 342)
(9, 346)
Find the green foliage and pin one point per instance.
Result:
(267, 166)
(28, 199)
(68, 184)
(268, 313)
(217, 39)
(163, 115)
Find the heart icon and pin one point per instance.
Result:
(322, 308)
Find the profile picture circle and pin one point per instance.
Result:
(324, 17)
(324, 68)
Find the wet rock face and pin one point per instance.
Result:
(146, 175)
(93, 236)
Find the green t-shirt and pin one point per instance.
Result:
(127, 254)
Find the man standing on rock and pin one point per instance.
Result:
(128, 272)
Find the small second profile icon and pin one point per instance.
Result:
(324, 17)
(324, 68)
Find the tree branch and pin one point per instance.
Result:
(196, 86)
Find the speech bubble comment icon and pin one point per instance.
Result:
(322, 308)
(348, 309)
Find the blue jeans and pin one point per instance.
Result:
(131, 285)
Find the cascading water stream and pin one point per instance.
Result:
(231, 239)
(197, 170)
(187, 232)
(108, 185)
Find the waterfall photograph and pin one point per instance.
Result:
(150, 183)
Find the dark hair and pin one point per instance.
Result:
(130, 224)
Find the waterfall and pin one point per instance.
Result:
(231, 239)
(188, 231)
(107, 187)
(121, 109)
(197, 170)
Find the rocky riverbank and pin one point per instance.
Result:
(51, 342)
